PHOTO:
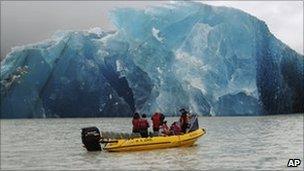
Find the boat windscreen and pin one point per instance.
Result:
(193, 123)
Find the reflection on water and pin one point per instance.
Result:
(230, 143)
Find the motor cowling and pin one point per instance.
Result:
(91, 138)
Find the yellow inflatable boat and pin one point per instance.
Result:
(156, 142)
(116, 142)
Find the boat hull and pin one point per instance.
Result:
(157, 142)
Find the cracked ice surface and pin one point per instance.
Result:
(212, 60)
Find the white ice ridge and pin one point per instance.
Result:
(155, 33)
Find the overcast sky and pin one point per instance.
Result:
(28, 22)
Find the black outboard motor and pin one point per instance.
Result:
(90, 138)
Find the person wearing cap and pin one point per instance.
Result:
(184, 120)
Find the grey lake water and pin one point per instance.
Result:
(231, 143)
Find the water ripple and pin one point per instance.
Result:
(246, 143)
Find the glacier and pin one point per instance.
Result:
(214, 61)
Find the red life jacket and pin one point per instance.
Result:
(156, 119)
(176, 129)
(135, 123)
(143, 123)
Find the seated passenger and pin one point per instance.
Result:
(175, 128)
(143, 126)
(135, 123)
(164, 128)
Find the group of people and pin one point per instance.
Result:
(159, 124)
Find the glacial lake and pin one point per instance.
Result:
(265, 142)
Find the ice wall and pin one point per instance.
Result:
(211, 60)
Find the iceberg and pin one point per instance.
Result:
(215, 61)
